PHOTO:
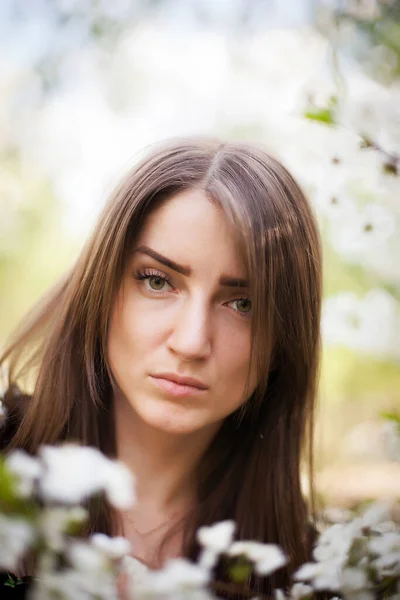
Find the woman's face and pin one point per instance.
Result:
(180, 331)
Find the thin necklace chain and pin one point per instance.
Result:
(143, 534)
(153, 529)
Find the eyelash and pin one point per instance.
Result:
(148, 273)
(142, 275)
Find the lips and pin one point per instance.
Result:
(189, 381)
(176, 385)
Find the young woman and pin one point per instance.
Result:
(185, 341)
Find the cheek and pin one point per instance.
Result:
(132, 330)
(234, 365)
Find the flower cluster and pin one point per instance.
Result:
(353, 114)
(359, 558)
(41, 512)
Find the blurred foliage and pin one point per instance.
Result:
(367, 30)
(395, 417)
(33, 249)
(325, 115)
(355, 390)
(76, 24)
(354, 387)
(100, 24)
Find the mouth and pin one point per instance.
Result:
(178, 386)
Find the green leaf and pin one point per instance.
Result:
(322, 115)
(240, 572)
(10, 502)
(10, 581)
(7, 484)
(325, 114)
(76, 527)
(391, 417)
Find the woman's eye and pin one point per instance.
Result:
(157, 283)
(243, 305)
(153, 282)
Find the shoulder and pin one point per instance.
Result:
(13, 403)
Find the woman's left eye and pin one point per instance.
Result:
(243, 306)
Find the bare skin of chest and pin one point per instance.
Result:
(154, 540)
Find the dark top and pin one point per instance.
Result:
(14, 588)
(13, 401)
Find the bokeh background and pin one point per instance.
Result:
(87, 85)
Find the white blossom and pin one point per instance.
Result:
(371, 110)
(134, 573)
(27, 470)
(86, 557)
(73, 473)
(370, 324)
(388, 564)
(119, 484)
(215, 540)
(176, 581)
(16, 537)
(90, 573)
(267, 558)
(178, 575)
(300, 590)
(385, 527)
(376, 513)
(375, 225)
(335, 542)
(335, 203)
(113, 548)
(217, 537)
(387, 549)
(377, 222)
(360, 595)
(353, 579)
(322, 575)
(335, 514)
(65, 585)
(73, 584)
(362, 230)
(54, 522)
(345, 552)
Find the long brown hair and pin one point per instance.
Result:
(252, 470)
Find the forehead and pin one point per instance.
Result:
(191, 229)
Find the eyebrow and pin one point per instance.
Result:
(225, 280)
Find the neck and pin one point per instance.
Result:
(164, 464)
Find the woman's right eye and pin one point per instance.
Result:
(153, 282)
(157, 283)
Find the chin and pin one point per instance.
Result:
(173, 418)
(173, 423)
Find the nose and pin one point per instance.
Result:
(190, 338)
